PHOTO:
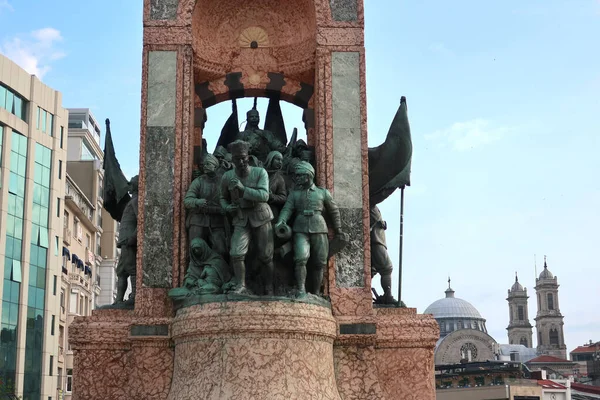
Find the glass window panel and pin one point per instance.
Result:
(37, 174)
(37, 194)
(18, 107)
(39, 298)
(10, 99)
(22, 145)
(14, 314)
(20, 186)
(18, 228)
(16, 272)
(35, 213)
(45, 197)
(22, 165)
(44, 237)
(50, 123)
(14, 292)
(42, 257)
(33, 258)
(10, 225)
(44, 216)
(7, 271)
(12, 204)
(46, 177)
(9, 246)
(5, 312)
(14, 163)
(35, 234)
(41, 278)
(37, 119)
(20, 206)
(32, 275)
(39, 153)
(17, 249)
(3, 97)
(56, 245)
(14, 144)
(13, 182)
(47, 157)
(43, 121)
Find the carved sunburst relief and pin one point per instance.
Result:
(254, 36)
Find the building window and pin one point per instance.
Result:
(58, 207)
(62, 300)
(52, 323)
(86, 153)
(540, 342)
(554, 336)
(550, 301)
(521, 311)
(69, 387)
(54, 282)
(524, 342)
(12, 102)
(51, 369)
(62, 136)
(59, 383)
(59, 169)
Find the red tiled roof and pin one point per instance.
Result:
(548, 359)
(585, 388)
(586, 349)
(548, 384)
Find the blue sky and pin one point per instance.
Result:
(503, 103)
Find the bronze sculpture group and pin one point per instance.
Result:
(241, 204)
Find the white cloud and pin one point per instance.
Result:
(463, 136)
(36, 51)
(441, 49)
(5, 5)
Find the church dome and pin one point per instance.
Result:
(452, 307)
(454, 314)
(546, 274)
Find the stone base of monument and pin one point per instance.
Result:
(254, 350)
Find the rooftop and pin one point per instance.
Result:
(549, 359)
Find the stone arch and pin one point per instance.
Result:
(232, 86)
(524, 341)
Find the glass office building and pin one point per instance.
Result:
(32, 186)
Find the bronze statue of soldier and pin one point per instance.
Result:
(308, 203)
(206, 218)
(277, 190)
(380, 260)
(244, 194)
(261, 141)
(126, 267)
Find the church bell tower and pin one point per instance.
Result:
(519, 329)
(549, 321)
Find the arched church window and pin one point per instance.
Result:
(550, 301)
(468, 352)
(540, 342)
(554, 336)
(521, 311)
(524, 342)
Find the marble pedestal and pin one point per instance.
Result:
(254, 350)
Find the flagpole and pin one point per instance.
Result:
(400, 246)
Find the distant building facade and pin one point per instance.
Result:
(86, 231)
(33, 154)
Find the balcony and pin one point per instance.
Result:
(67, 235)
